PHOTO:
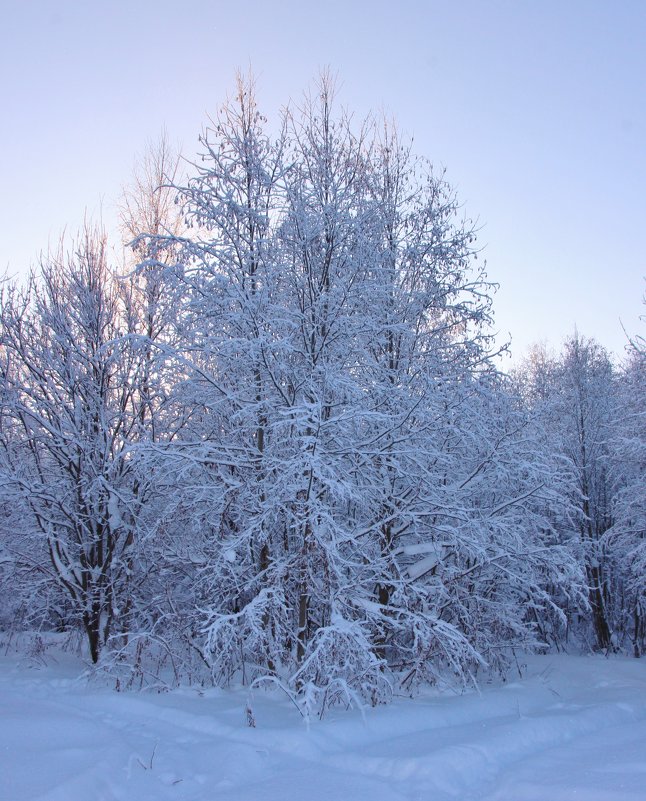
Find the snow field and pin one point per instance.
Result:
(571, 728)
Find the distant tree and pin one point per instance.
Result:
(627, 535)
(574, 395)
(147, 208)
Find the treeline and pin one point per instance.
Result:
(277, 446)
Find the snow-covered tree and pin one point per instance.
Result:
(364, 496)
(72, 410)
(575, 395)
(279, 441)
(627, 535)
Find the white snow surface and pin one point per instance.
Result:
(572, 727)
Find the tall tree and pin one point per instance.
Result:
(71, 412)
(357, 510)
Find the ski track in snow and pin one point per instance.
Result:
(572, 728)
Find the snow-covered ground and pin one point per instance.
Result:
(571, 728)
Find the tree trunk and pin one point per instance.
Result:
(92, 626)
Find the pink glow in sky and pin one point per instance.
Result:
(536, 109)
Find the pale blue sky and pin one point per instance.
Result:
(536, 109)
